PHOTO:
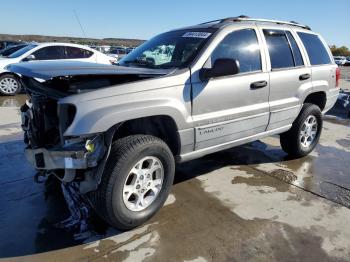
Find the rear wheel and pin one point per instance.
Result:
(136, 182)
(305, 133)
(9, 85)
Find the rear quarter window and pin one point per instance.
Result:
(315, 49)
(77, 53)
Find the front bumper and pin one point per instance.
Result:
(45, 159)
(70, 157)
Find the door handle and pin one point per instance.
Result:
(259, 84)
(304, 77)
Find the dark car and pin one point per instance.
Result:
(10, 50)
(347, 63)
(6, 44)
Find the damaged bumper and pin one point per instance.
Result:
(45, 159)
(80, 156)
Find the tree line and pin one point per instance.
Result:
(340, 51)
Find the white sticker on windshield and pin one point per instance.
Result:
(197, 34)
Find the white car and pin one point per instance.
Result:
(9, 83)
(118, 53)
(340, 60)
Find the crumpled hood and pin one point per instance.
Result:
(47, 70)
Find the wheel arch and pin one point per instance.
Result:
(161, 126)
(9, 73)
(317, 98)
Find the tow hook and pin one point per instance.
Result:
(41, 176)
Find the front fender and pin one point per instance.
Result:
(97, 116)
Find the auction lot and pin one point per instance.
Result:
(250, 203)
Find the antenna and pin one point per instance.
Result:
(81, 27)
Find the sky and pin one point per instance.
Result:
(142, 19)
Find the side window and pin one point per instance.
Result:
(316, 50)
(243, 46)
(298, 59)
(76, 53)
(280, 53)
(49, 53)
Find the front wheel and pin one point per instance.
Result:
(9, 85)
(305, 133)
(136, 182)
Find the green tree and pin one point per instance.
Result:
(340, 51)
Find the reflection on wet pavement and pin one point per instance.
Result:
(247, 203)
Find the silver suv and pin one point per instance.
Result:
(112, 134)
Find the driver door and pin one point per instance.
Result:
(233, 107)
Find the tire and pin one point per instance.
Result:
(293, 141)
(127, 152)
(9, 85)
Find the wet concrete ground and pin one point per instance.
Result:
(250, 203)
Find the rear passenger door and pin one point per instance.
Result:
(289, 77)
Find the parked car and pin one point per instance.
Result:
(9, 82)
(6, 44)
(347, 63)
(117, 53)
(102, 48)
(129, 50)
(112, 134)
(8, 51)
(340, 60)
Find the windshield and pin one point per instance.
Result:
(22, 51)
(169, 50)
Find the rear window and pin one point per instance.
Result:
(280, 53)
(316, 50)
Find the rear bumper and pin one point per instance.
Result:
(332, 96)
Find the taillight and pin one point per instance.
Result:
(337, 77)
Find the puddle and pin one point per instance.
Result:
(284, 175)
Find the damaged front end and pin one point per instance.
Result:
(70, 159)
(45, 118)
(78, 162)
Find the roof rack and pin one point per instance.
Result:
(247, 18)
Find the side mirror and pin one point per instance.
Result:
(29, 58)
(221, 67)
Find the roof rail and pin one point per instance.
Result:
(247, 18)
